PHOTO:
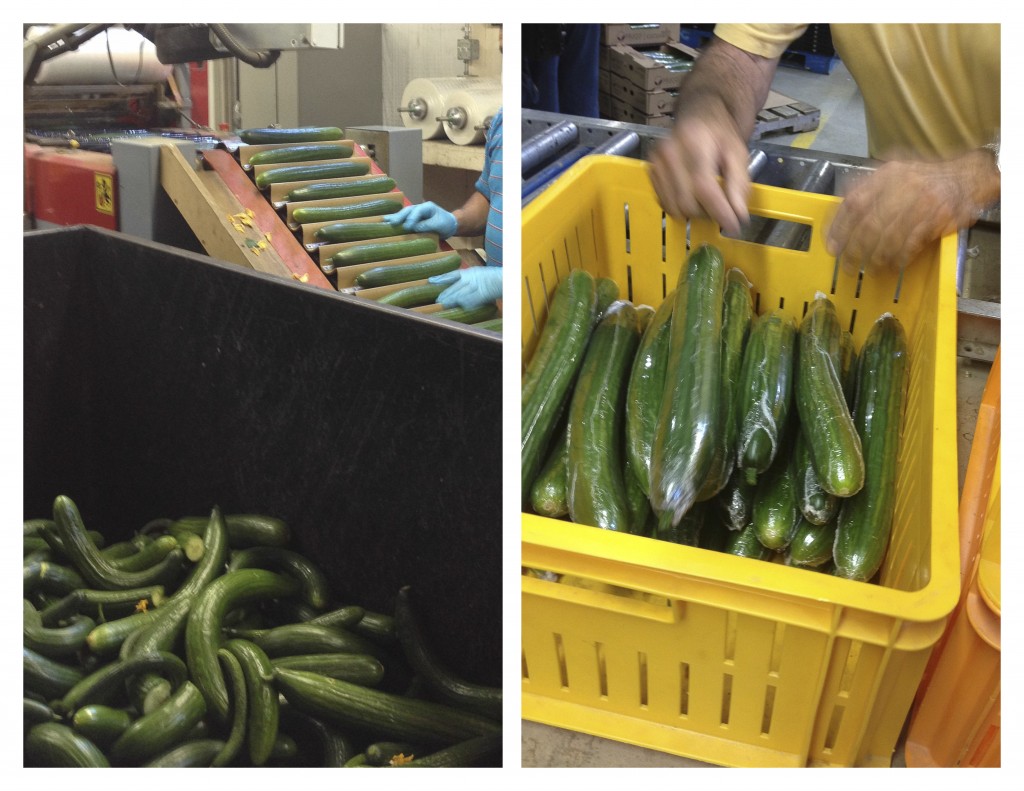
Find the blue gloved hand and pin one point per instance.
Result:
(425, 218)
(470, 287)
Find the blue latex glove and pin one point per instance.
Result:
(470, 287)
(425, 218)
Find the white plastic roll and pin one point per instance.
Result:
(425, 98)
(469, 112)
(131, 60)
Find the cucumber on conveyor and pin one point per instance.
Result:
(321, 170)
(373, 207)
(390, 274)
(357, 231)
(301, 153)
(360, 185)
(372, 252)
(298, 134)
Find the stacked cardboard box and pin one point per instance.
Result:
(638, 83)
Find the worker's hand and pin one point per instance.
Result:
(470, 287)
(890, 215)
(425, 217)
(685, 169)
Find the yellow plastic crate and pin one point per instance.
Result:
(724, 659)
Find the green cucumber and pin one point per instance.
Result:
(366, 185)
(362, 669)
(607, 295)
(307, 638)
(157, 732)
(339, 232)
(686, 530)
(244, 530)
(440, 680)
(549, 496)
(736, 500)
(413, 296)
(304, 215)
(57, 642)
(343, 617)
(776, 508)
(262, 698)
(594, 483)
(479, 751)
(644, 392)
(316, 589)
(644, 316)
(301, 153)
(372, 252)
(824, 415)
(379, 713)
(239, 709)
(468, 315)
(766, 392)
(848, 367)
(47, 677)
(491, 325)
(385, 753)
(94, 567)
(52, 578)
(745, 544)
(324, 170)
(865, 519)
(812, 544)
(294, 134)
(196, 753)
(553, 368)
(149, 555)
(817, 506)
(102, 725)
(52, 744)
(377, 626)
(638, 504)
(107, 684)
(390, 274)
(737, 315)
(36, 712)
(691, 416)
(336, 749)
(103, 604)
(203, 629)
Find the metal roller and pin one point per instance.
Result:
(542, 148)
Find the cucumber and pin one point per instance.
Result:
(243, 530)
(865, 519)
(239, 709)
(595, 489)
(358, 231)
(439, 679)
(766, 392)
(737, 315)
(362, 669)
(390, 274)
(196, 753)
(379, 627)
(368, 185)
(480, 751)
(745, 544)
(343, 617)
(102, 725)
(52, 578)
(824, 415)
(107, 638)
(58, 642)
(107, 684)
(607, 294)
(94, 567)
(817, 506)
(295, 134)
(301, 153)
(413, 296)
(638, 505)
(370, 208)
(691, 416)
(468, 315)
(316, 589)
(46, 677)
(371, 252)
(644, 316)
(387, 753)
(848, 367)
(736, 500)
(687, 530)
(491, 325)
(52, 744)
(644, 392)
(336, 749)
(324, 170)
(553, 368)
(776, 509)
(103, 604)
(549, 496)
(203, 629)
(307, 638)
(35, 712)
(812, 544)
(379, 713)
(155, 733)
(262, 699)
(149, 555)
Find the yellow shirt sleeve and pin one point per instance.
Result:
(930, 90)
(767, 40)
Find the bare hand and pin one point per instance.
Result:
(686, 166)
(889, 216)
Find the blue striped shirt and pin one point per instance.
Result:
(489, 185)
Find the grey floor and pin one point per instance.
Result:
(841, 130)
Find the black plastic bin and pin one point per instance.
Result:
(160, 382)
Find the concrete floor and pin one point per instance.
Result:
(841, 130)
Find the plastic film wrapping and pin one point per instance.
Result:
(426, 98)
(474, 108)
(115, 56)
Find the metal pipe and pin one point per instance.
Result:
(554, 169)
(791, 235)
(623, 144)
(545, 146)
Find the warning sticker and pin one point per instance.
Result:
(104, 193)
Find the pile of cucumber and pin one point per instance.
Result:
(704, 424)
(207, 641)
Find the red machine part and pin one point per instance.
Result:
(200, 89)
(68, 187)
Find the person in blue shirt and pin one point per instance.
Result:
(472, 286)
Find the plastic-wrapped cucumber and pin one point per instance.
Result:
(644, 392)
(637, 503)
(766, 392)
(686, 530)
(817, 506)
(737, 315)
(691, 413)
(811, 544)
(548, 495)
(736, 501)
(596, 491)
(824, 415)
(776, 510)
(745, 544)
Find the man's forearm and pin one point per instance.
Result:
(472, 216)
(730, 79)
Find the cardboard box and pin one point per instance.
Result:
(644, 71)
(639, 34)
(646, 102)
